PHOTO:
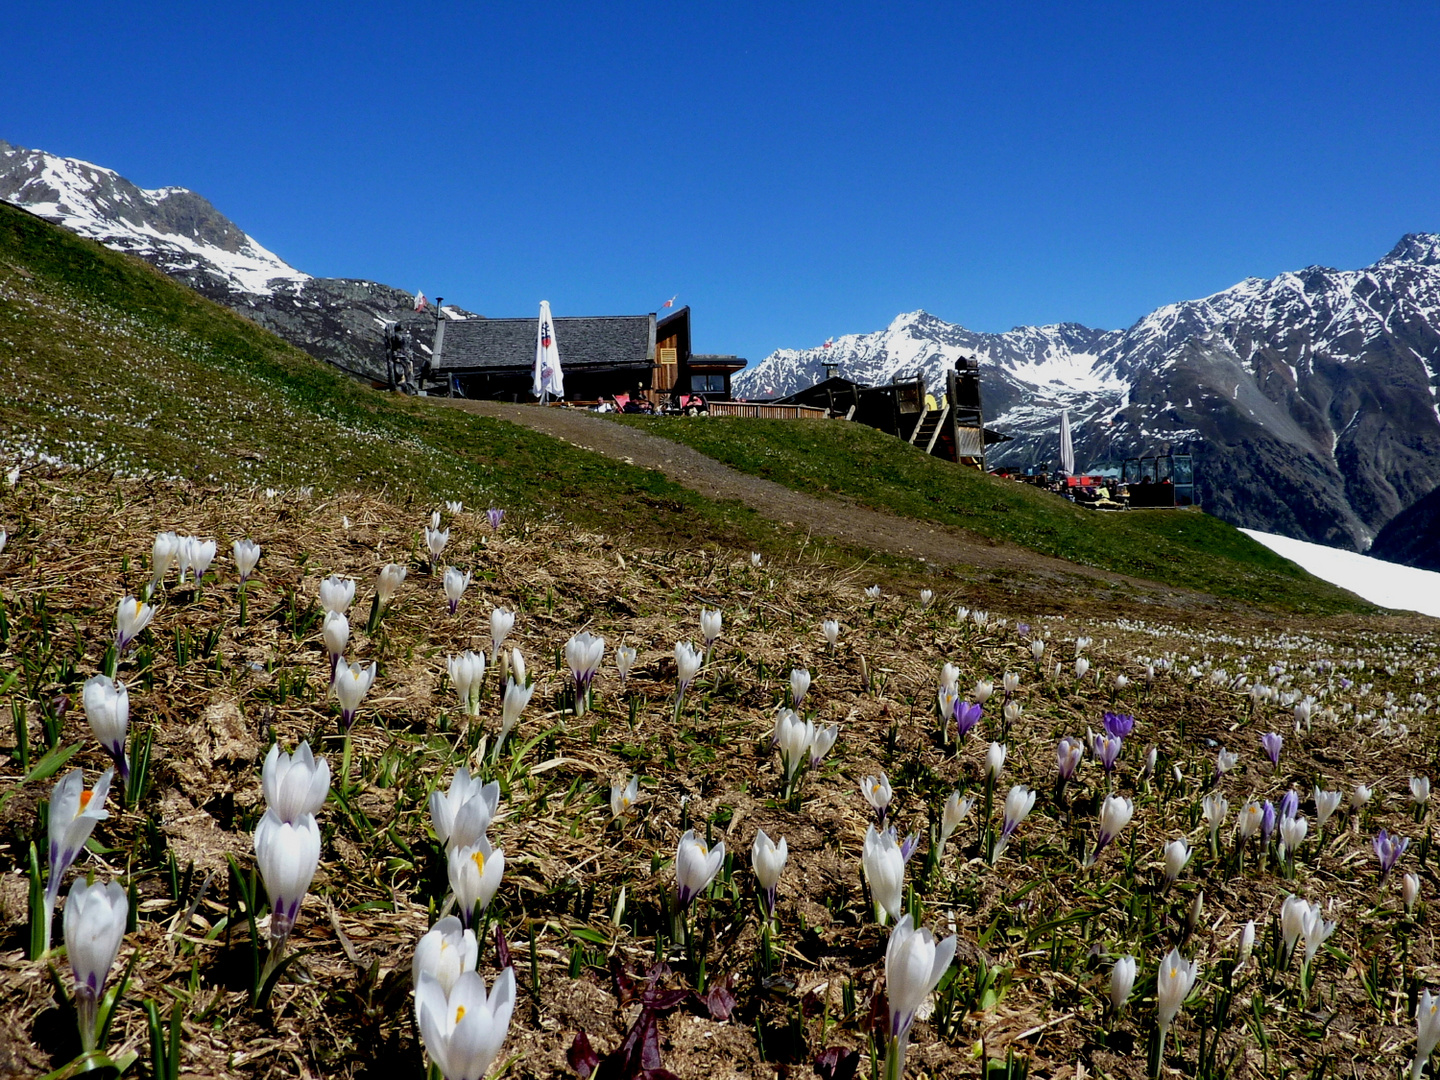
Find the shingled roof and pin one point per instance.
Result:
(603, 341)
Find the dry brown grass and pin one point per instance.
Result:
(344, 1010)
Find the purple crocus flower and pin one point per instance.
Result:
(967, 715)
(907, 848)
(1345, 684)
(1388, 850)
(1119, 725)
(1289, 805)
(1106, 749)
(1023, 629)
(494, 516)
(1271, 742)
(1267, 821)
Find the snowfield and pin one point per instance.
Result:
(1388, 584)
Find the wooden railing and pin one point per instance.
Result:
(762, 411)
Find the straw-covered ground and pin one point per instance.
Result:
(582, 905)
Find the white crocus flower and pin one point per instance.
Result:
(247, 556)
(794, 736)
(1115, 814)
(352, 683)
(95, 917)
(475, 872)
(435, 541)
(767, 858)
(822, 742)
(1082, 666)
(623, 796)
(1018, 804)
(955, 811)
(455, 585)
(1225, 761)
(1122, 981)
(695, 867)
(982, 691)
(831, 629)
(1427, 1031)
(876, 790)
(1293, 832)
(755, 558)
(445, 952)
(107, 707)
(295, 784)
(1177, 854)
(162, 556)
(1011, 682)
(1247, 945)
(1315, 929)
(1037, 648)
(461, 814)
(799, 686)
(287, 854)
(4, 536)
(872, 592)
(502, 621)
(1359, 797)
(1215, 806)
(467, 675)
(1173, 984)
(392, 576)
(434, 519)
(464, 1030)
(914, 965)
(131, 617)
(201, 554)
(1326, 803)
(336, 632)
(995, 760)
(1420, 790)
(624, 661)
(517, 696)
(1293, 913)
(950, 678)
(73, 814)
(711, 623)
(884, 867)
(1410, 892)
(337, 593)
(584, 653)
(927, 597)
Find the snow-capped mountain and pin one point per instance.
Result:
(335, 319)
(1308, 399)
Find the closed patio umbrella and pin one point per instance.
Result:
(549, 379)
(1067, 449)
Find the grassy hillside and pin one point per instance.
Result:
(111, 365)
(1185, 548)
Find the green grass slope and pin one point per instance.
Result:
(113, 366)
(1185, 548)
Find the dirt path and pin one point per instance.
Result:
(839, 519)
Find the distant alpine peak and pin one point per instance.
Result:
(173, 227)
(1420, 248)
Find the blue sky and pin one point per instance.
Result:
(792, 171)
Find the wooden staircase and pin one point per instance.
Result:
(928, 428)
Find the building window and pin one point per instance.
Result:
(707, 384)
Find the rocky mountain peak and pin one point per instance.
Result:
(1419, 248)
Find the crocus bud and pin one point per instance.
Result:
(107, 707)
(1293, 912)
(1420, 790)
(336, 633)
(1122, 981)
(446, 951)
(1410, 891)
(1068, 753)
(1271, 742)
(831, 629)
(1018, 804)
(687, 663)
(1326, 803)
(768, 860)
(1247, 945)
(247, 555)
(1177, 854)
(1037, 648)
(287, 854)
(392, 576)
(1082, 666)
(1115, 814)
(455, 586)
(1215, 806)
(995, 760)
(295, 784)
(95, 917)
(494, 516)
(517, 696)
(162, 556)
(583, 655)
(464, 1030)
(695, 867)
(955, 811)
(794, 737)
(467, 675)
(711, 623)
(337, 593)
(1359, 797)
(884, 867)
(799, 685)
(502, 621)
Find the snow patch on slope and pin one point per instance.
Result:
(1389, 584)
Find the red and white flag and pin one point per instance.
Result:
(828, 343)
(420, 302)
(670, 302)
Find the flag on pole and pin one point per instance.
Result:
(420, 302)
(670, 302)
(829, 342)
(549, 379)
